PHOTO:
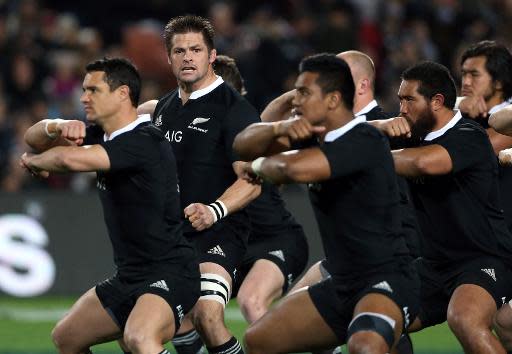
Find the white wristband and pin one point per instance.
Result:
(218, 209)
(48, 134)
(256, 165)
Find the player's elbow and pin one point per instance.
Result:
(242, 148)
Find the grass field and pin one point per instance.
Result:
(25, 326)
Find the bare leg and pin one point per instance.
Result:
(86, 324)
(262, 285)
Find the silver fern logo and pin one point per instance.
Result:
(196, 121)
(200, 120)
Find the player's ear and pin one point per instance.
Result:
(212, 56)
(437, 102)
(333, 99)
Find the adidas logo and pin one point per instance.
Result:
(158, 121)
(217, 250)
(490, 272)
(279, 254)
(160, 284)
(383, 285)
(200, 120)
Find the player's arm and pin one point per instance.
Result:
(279, 109)
(49, 133)
(392, 127)
(299, 166)
(67, 159)
(501, 121)
(431, 160)
(237, 196)
(147, 107)
(264, 139)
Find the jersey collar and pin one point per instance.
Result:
(436, 134)
(367, 108)
(336, 133)
(499, 106)
(140, 119)
(204, 91)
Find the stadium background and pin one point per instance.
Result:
(52, 238)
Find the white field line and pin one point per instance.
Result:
(53, 315)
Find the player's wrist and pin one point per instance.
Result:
(218, 210)
(51, 131)
(256, 166)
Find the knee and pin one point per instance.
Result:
(367, 343)
(502, 324)
(458, 322)
(252, 306)
(61, 339)
(136, 341)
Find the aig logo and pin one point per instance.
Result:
(174, 136)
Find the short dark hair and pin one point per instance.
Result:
(118, 72)
(433, 79)
(498, 62)
(333, 75)
(186, 24)
(226, 67)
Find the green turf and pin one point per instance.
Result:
(21, 332)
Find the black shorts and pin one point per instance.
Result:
(336, 303)
(438, 284)
(119, 295)
(289, 250)
(223, 244)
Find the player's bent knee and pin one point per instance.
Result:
(382, 325)
(61, 339)
(136, 341)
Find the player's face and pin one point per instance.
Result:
(98, 100)
(476, 80)
(190, 58)
(309, 101)
(416, 109)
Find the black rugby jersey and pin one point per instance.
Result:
(410, 227)
(357, 208)
(460, 213)
(140, 199)
(505, 172)
(202, 132)
(268, 213)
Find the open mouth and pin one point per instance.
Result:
(187, 69)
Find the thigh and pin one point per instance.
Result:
(264, 280)
(152, 317)
(292, 326)
(312, 276)
(87, 322)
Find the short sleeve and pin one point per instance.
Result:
(352, 153)
(241, 115)
(129, 151)
(467, 145)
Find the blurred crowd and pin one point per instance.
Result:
(45, 45)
